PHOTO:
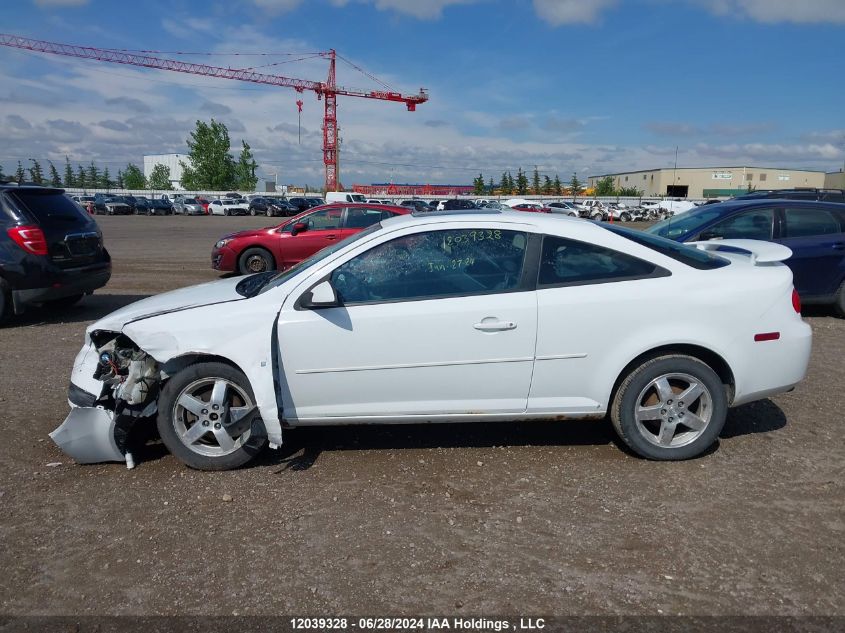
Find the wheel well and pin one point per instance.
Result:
(706, 356)
(175, 365)
(260, 247)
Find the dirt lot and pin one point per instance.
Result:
(477, 519)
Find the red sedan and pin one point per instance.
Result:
(531, 208)
(280, 247)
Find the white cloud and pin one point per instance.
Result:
(557, 12)
(772, 11)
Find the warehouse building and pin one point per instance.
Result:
(172, 161)
(712, 182)
(834, 180)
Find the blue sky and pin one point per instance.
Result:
(592, 86)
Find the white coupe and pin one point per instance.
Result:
(445, 317)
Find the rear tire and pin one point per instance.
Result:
(839, 302)
(252, 211)
(211, 396)
(625, 217)
(670, 408)
(256, 260)
(5, 302)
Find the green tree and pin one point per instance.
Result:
(20, 174)
(81, 178)
(557, 188)
(160, 178)
(490, 186)
(535, 182)
(2, 175)
(55, 179)
(575, 185)
(245, 169)
(511, 186)
(630, 192)
(133, 177)
(70, 181)
(119, 179)
(105, 179)
(521, 182)
(211, 166)
(478, 185)
(547, 186)
(604, 187)
(92, 176)
(503, 184)
(36, 175)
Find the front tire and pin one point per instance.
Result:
(202, 411)
(252, 211)
(670, 408)
(255, 260)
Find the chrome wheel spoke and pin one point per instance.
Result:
(664, 390)
(693, 421)
(667, 433)
(224, 439)
(194, 405)
(194, 433)
(691, 394)
(649, 413)
(218, 394)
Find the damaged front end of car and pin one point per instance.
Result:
(114, 385)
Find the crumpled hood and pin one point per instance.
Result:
(181, 299)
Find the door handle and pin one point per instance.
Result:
(331, 237)
(494, 325)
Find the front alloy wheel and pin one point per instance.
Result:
(208, 417)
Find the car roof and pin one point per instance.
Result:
(541, 221)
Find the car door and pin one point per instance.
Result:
(432, 323)
(323, 228)
(815, 235)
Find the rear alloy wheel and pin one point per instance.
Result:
(670, 408)
(255, 260)
(207, 417)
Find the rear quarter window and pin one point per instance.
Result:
(48, 207)
(688, 255)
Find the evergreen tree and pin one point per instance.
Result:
(92, 177)
(55, 179)
(548, 188)
(133, 177)
(478, 185)
(490, 186)
(81, 178)
(120, 179)
(511, 186)
(70, 181)
(575, 185)
(105, 179)
(211, 166)
(535, 182)
(503, 184)
(20, 174)
(35, 172)
(558, 189)
(245, 169)
(160, 178)
(2, 175)
(521, 182)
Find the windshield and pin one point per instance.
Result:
(674, 227)
(279, 278)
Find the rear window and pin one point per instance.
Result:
(47, 207)
(688, 255)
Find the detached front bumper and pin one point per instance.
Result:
(88, 436)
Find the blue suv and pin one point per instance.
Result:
(815, 231)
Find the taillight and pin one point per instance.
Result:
(796, 301)
(29, 238)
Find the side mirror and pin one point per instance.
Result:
(322, 295)
(299, 227)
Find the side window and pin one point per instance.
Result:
(434, 264)
(568, 262)
(751, 225)
(326, 219)
(809, 222)
(358, 218)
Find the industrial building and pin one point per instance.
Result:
(712, 182)
(834, 180)
(171, 161)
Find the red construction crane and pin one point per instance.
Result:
(327, 90)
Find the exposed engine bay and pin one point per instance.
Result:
(99, 424)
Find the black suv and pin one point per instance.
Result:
(51, 252)
(826, 195)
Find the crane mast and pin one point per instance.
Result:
(328, 90)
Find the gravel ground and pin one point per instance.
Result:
(458, 519)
